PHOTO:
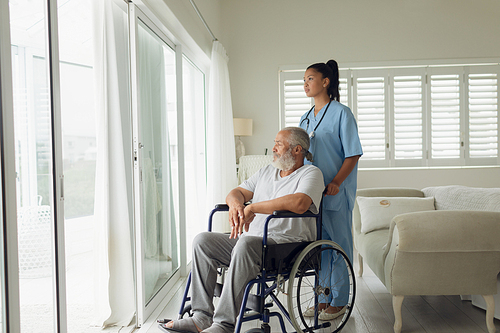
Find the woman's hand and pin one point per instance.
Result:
(332, 189)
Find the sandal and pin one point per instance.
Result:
(185, 325)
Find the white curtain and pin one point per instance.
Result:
(221, 156)
(114, 283)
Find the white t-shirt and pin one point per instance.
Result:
(267, 184)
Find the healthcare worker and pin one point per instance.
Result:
(336, 149)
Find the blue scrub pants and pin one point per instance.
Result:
(337, 226)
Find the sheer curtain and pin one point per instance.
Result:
(221, 156)
(114, 284)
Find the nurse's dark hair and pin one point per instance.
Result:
(299, 137)
(329, 70)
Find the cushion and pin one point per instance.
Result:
(456, 197)
(377, 212)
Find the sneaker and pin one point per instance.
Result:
(325, 316)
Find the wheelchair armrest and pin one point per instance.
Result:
(222, 207)
(287, 213)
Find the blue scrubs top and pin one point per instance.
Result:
(334, 139)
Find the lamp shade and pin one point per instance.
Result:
(242, 127)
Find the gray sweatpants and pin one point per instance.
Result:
(211, 250)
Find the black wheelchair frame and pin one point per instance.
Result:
(301, 262)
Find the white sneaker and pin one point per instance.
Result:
(325, 316)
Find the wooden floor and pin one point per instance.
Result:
(373, 312)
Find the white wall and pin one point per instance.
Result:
(183, 23)
(262, 35)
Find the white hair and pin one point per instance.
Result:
(299, 137)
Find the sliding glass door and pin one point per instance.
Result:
(195, 171)
(7, 171)
(156, 162)
(50, 253)
(35, 117)
(33, 165)
(78, 127)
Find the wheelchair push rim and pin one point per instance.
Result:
(307, 287)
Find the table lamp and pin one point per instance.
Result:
(242, 127)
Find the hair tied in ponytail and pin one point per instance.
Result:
(329, 70)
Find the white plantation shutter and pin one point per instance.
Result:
(408, 116)
(370, 104)
(434, 115)
(296, 103)
(445, 116)
(294, 100)
(344, 90)
(483, 115)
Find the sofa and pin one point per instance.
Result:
(441, 240)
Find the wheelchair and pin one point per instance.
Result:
(292, 281)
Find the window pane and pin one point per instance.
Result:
(296, 101)
(160, 187)
(370, 95)
(79, 158)
(445, 116)
(483, 115)
(344, 90)
(33, 139)
(194, 151)
(408, 117)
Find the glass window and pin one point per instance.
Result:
(159, 172)
(79, 157)
(33, 142)
(194, 151)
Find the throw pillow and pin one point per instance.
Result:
(377, 212)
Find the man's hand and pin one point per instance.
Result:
(248, 217)
(243, 222)
(236, 212)
(236, 200)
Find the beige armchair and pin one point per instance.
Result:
(439, 252)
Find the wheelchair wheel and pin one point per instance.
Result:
(322, 273)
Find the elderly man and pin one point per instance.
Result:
(286, 184)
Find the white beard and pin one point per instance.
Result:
(284, 162)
